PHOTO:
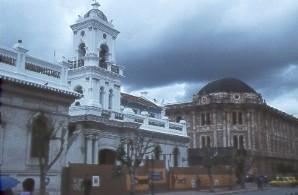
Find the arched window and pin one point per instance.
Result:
(40, 136)
(110, 99)
(103, 55)
(157, 152)
(78, 89)
(82, 50)
(175, 156)
(101, 96)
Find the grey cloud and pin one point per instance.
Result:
(202, 49)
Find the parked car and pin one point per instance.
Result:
(284, 181)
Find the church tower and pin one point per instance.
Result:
(94, 72)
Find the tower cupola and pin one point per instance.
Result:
(94, 39)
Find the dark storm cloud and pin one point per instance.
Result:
(201, 48)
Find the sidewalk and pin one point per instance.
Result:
(218, 191)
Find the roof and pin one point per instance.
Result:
(44, 87)
(226, 85)
(127, 98)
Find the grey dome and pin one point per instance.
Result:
(226, 85)
(96, 12)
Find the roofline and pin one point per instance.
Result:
(191, 105)
(43, 87)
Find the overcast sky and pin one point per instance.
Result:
(171, 48)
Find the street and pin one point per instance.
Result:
(249, 191)
(275, 191)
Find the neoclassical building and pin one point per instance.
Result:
(229, 113)
(82, 95)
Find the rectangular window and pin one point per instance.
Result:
(240, 121)
(202, 119)
(203, 142)
(241, 141)
(208, 120)
(208, 141)
(234, 118)
(235, 141)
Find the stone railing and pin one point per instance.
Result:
(7, 57)
(94, 62)
(16, 63)
(147, 123)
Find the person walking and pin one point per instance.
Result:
(86, 185)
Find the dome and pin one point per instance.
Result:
(96, 12)
(226, 85)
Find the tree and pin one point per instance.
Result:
(210, 160)
(243, 161)
(131, 153)
(44, 132)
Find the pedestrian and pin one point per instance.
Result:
(86, 185)
(258, 180)
(262, 181)
(28, 187)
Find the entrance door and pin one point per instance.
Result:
(107, 157)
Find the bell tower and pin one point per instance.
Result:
(94, 71)
(94, 38)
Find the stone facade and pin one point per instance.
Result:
(228, 116)
(21, 101)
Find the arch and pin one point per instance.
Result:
(175, 156)
(107, 157)
(78, 89)
(40, 136)
(101, 96)
(110, 99)
(82, 50)
(157, 152)
(103, 55)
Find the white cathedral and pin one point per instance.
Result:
(82, 95)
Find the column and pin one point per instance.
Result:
(96, 150)
(89, 149)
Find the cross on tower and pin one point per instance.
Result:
(95, 4)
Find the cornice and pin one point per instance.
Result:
(97, 24)
(94, 70)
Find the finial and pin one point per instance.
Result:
(95, 4)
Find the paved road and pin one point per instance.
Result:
(251, 191)
(275, 191)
